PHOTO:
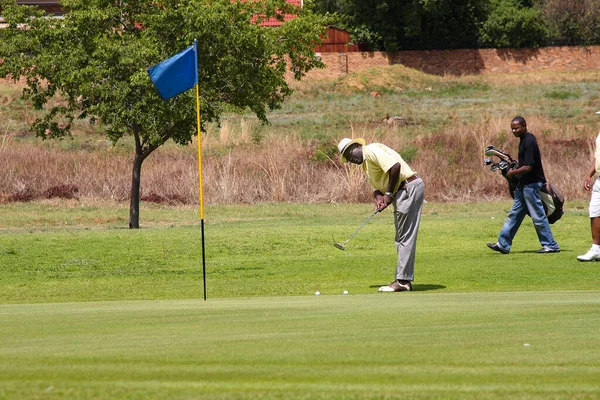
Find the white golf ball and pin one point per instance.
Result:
(317, 293)
(345, 292)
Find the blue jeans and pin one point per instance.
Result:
(527, 198)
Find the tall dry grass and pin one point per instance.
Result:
(286, 169)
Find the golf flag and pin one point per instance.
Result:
(177, 74)
(172, 77)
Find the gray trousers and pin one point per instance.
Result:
(408, 204)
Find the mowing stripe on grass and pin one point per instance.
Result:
(540, 345)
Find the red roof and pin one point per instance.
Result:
(286, 17)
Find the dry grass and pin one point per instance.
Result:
(538, 77)
(245, 163)
(282, 168)
(397, 78)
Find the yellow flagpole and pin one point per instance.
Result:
(199, 152)
(200, 181)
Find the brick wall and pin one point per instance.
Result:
(468, 61)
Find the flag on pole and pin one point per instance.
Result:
(177, 74)
(172, 77)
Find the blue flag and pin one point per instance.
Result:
(177, 74)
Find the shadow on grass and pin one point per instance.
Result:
(417, 288)
(535, 252)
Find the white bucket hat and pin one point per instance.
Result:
(345, 143)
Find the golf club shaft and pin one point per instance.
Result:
(360, 227)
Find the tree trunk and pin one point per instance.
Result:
(134, 204)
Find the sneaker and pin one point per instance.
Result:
(397, 286)
(495, 247)
(545, 250)
(591, 255)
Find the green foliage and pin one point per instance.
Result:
(329, 6)
(511, 25)
(464, 90)
(445, 24)
(373, 24)
(573, 22)
(442, 24)
(95, 59)
(325, 151)
(257, 134)
(409, 24)
(409, 153)
(562, 95)
(365, 36)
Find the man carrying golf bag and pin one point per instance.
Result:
(527, 200)
(393, 182)
(552, 198)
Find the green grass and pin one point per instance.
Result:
(85, 254)
(331, 109)
(428, 100)
(89, 309)
(540, 345)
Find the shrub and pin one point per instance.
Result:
(62, 192)
(511, 26)
(573, 22)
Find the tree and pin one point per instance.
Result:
(443, 24)
(573, 22)
(512, 25)
(92, 65)
(363, 19)
(392, 25)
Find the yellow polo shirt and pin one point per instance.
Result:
(377, 161)
(597, 155)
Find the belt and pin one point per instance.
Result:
(409, 179)
(412, 178)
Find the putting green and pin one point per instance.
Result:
(529, 345)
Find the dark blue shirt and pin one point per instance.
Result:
(529, 154)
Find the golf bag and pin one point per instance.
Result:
(553, 199)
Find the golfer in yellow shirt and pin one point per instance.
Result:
(393, 182)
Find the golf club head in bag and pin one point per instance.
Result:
(552, 199)
(506, 161)
(502, 162)
(492, 151)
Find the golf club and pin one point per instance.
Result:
(343, 246)
(552, 198)
(491, 151)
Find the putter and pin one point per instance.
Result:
(343, 246)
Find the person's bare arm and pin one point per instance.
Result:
(383, 200)
(587, 184)
(514, 173)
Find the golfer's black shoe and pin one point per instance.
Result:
(545, 250)
(495, 247)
